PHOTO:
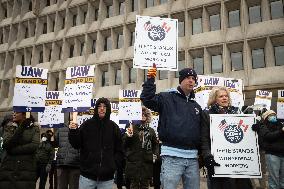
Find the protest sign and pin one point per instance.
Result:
(156, 42)
(280, 104)
(78, 90)
(129, 106)
(234, 146)
(30, 88)
(154, 122)
(52, 117)
(264, 98)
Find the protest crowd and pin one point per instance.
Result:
(97, 153)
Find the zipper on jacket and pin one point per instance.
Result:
(101, 138)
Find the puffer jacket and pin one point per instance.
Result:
(139, 161)
(45, 153)
(180, 116)
(18, 169)
(66, 156)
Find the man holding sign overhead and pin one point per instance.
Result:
(179, 128)
(100, 144)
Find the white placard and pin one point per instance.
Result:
(234, 146)
(280, 104)
(30, 88)
(154, 122)
(52, 117)
(263, 97)
(78, 90)
(156, 42)
(129, 106)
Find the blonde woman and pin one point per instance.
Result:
(219, 103)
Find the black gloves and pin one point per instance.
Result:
(210, 163)
(255, 127)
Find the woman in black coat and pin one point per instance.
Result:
(219, 102)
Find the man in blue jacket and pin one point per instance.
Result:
(179, 128)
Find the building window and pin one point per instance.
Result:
(254, 14)
(109, 11)
(181, 65)
(120, 41)
(96, 14)
(134, 5)
(107, 46)
(197, 26)
(44, 31)
(132, 75)
(279, 55)
(181, 28)
(82, 48)
(63, 23)
(145, 74)
(216, 63)
(149, 3)
(71, 52)
(94, 47)
(117, 77)
(121, 8)
(74, 19)
(132, 38)
(60, 53)
(40, 57)
(215, 22)
(84, 17)
(23, 61)
(276, 8)
(198, 65)
(30, 5)
(164, 1)
(163, 74)
(237, 61)
(105, 79)
(258, 58)
(234, 18)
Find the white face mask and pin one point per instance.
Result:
(43, 139)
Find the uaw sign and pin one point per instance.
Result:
(156, 42)
(235, 146)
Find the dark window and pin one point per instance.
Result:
(216, 64)
(71, 52)
(121, 7)
(53, 26)
(258, 58)
(41, 57)
(49, 56)
(109, 11)
(107, 45)
(237, 61)
(276, 8)
(234, 18)
(105, 79)
(47, 3)
(74, 19)
(82, 48)
(134, 5)
(94, 46)
(63, 23)
(197, 26)
(23, 61)
(59, 54)
(117, 77)
(254, 14)
(149, 3)
(96, 14)
(198, 65)
(44, 31)
(132, 40)
(181, 28)
(30, 5)
(26, 32)
(215, 22)
(181, 65)
(279, 55)
(84, 17)
(56, 84)
(132, 75)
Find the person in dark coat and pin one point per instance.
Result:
(272, 134)
(44, 157)
(20, 142)
(141, 144)
(219, 102)
(7, 118)
(100, 143)
(68, 161)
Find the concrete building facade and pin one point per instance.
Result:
(231, 38)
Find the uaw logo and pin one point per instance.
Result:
(234, 133)
(157, 33)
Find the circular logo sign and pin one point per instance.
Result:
(233, 134)
(156, 33)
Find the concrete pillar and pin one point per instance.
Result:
(244, 16)
(124, 75)
(226, 60)
(205, 20)
(265, 10)
(207, 62)
(111, 73)
(269, 53)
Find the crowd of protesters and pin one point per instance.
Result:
(90, 154)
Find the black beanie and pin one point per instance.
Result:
(184, 73)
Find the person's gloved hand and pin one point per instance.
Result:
(255, 127)
(210, 163)
(152, 72)
(27, 123)
(47, 168)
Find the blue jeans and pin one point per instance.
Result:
(85, 183)
(175, 168)
(275, 166)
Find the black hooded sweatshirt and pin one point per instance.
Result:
(100, 144)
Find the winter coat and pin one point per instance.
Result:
(272, 137)
(45, 153)
(139, 161)
(100, 144)
(180, 118)
(66, 156)
(18, 169)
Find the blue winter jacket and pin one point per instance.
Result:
(180, 116)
